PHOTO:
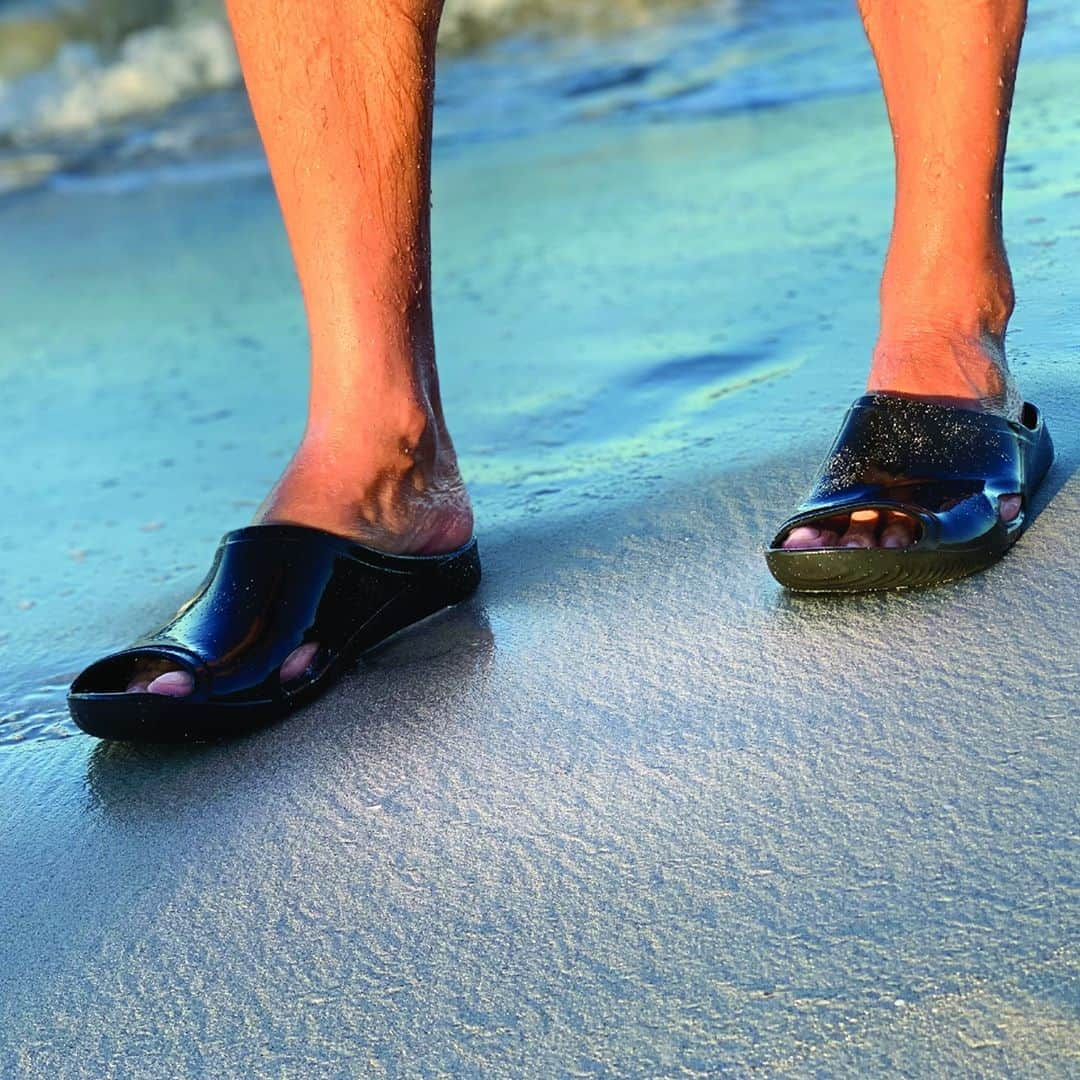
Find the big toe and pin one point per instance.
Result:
(172, 684)
(803, 536)
(809, 537)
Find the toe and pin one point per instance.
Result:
(804, 536)
(146, 671)
(172, 684)
(298, 661)
(862, 530)
(810, 537)
(898, 532)
(1009, 507)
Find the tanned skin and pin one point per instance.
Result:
(342, 92)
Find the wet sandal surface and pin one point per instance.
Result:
(943, 467)
(270, 590)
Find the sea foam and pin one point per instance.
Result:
(153, 68)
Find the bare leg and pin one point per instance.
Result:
(342, 93)
(947, 70)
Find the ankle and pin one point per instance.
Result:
(948, 365)
(383, 433)
(389, 481)
(943, 322)
(966, 288)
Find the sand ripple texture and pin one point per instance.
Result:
(633, 812)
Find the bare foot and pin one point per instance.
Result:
(947, 369)
(874, 529)
(400, 494)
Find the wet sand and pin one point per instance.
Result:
(632, 811)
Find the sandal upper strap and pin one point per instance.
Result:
(273, 588)
(943, 465)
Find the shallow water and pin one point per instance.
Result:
(70, 70)
(633, 811)
(83, 124)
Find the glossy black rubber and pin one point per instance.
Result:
(945, 467)
(271, 589)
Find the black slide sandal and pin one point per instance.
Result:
(944, 467)
(271, 589)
